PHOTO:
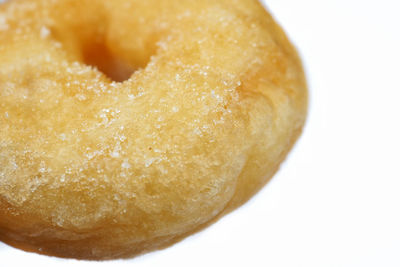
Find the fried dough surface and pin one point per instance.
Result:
(127, 124)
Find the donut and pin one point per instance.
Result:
(127, 125)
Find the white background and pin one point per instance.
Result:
(336, 199)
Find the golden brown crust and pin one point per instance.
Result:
(102, 166)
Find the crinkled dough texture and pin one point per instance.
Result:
(127, 124)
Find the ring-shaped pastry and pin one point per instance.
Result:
(126, 124)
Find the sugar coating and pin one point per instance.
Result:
(126, 124)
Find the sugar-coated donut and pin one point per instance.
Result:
(126, 125)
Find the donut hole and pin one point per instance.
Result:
(98, 55)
